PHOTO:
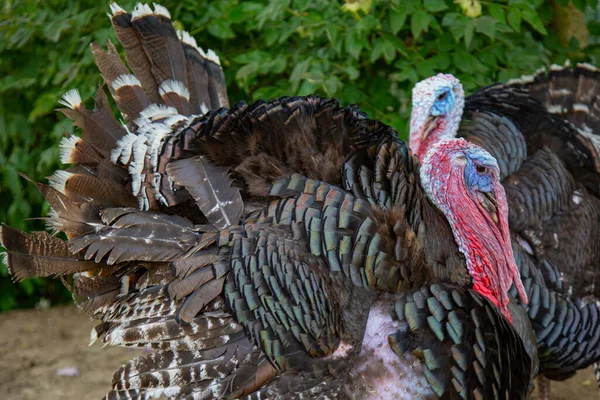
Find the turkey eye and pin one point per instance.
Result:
(442, 96)
(481, 169)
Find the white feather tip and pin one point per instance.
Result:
(67, 145)
(212, 56)
(59, 179)
(171, 85)
(141, 10)
(71, 99)
(161, 10)
(116, 9)
(125, 80)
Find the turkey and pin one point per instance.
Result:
(549, 170)
(284, 249)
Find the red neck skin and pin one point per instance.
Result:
(420, 146)
(487, 246)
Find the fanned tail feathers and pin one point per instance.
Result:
(573, 93)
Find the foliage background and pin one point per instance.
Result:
(368, 52)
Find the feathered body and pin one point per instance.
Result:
(284, 249)
(549, 168)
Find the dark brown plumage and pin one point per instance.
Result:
(322, 226)
(551, 172)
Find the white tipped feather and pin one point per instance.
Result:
(136, 164)
(125, 80)
(161, 10)
(67, 145)
(212, 56)
(141, 10)
(116, 9)
(581, 108)
(142, 203)
(556, 67)
(124, 148)
(156, 181)
(71, 99)
(53, 223)
(587, 66)
(58, 180)
(186, 38)
(171, 85)
(155, 136)
(155, 112)
(175, 120)
(555, 109)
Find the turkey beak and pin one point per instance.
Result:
(490, 204)
(429, 125)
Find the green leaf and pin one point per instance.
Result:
(11, 180)
(397, 18)
(486, 25)
(245, 11)
(419, 22)
(353, 45)
(514, 18)
(534, 20)
(435, 5)
(383, 47)
(497, 12)
(221, 29)
(44, 105)
(469, 28)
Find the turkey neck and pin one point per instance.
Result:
(485, 243)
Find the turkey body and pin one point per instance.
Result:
(550, 172)
(283, 249)
(549, 169)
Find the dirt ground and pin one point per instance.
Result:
(34, 345)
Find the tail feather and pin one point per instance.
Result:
(72, 218)
(161, 44)
(38, 254)
(175, 94)
(100, 129)
(81, 188)
(574, 95)
(109, 62)
(197, 74)
(135, 55)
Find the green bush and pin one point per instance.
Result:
(362, 51)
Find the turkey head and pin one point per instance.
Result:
(462, 180)
(438, 104)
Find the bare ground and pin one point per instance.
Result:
(35, 344)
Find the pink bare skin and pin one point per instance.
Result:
(462, 179)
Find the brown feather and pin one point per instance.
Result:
(109, 62)
(197, 77)
(161, 44)
(210, 187)
(100, 128)
(181, 288)
(200, 298)
(135, 55)
(102, 191)
(38, 254)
